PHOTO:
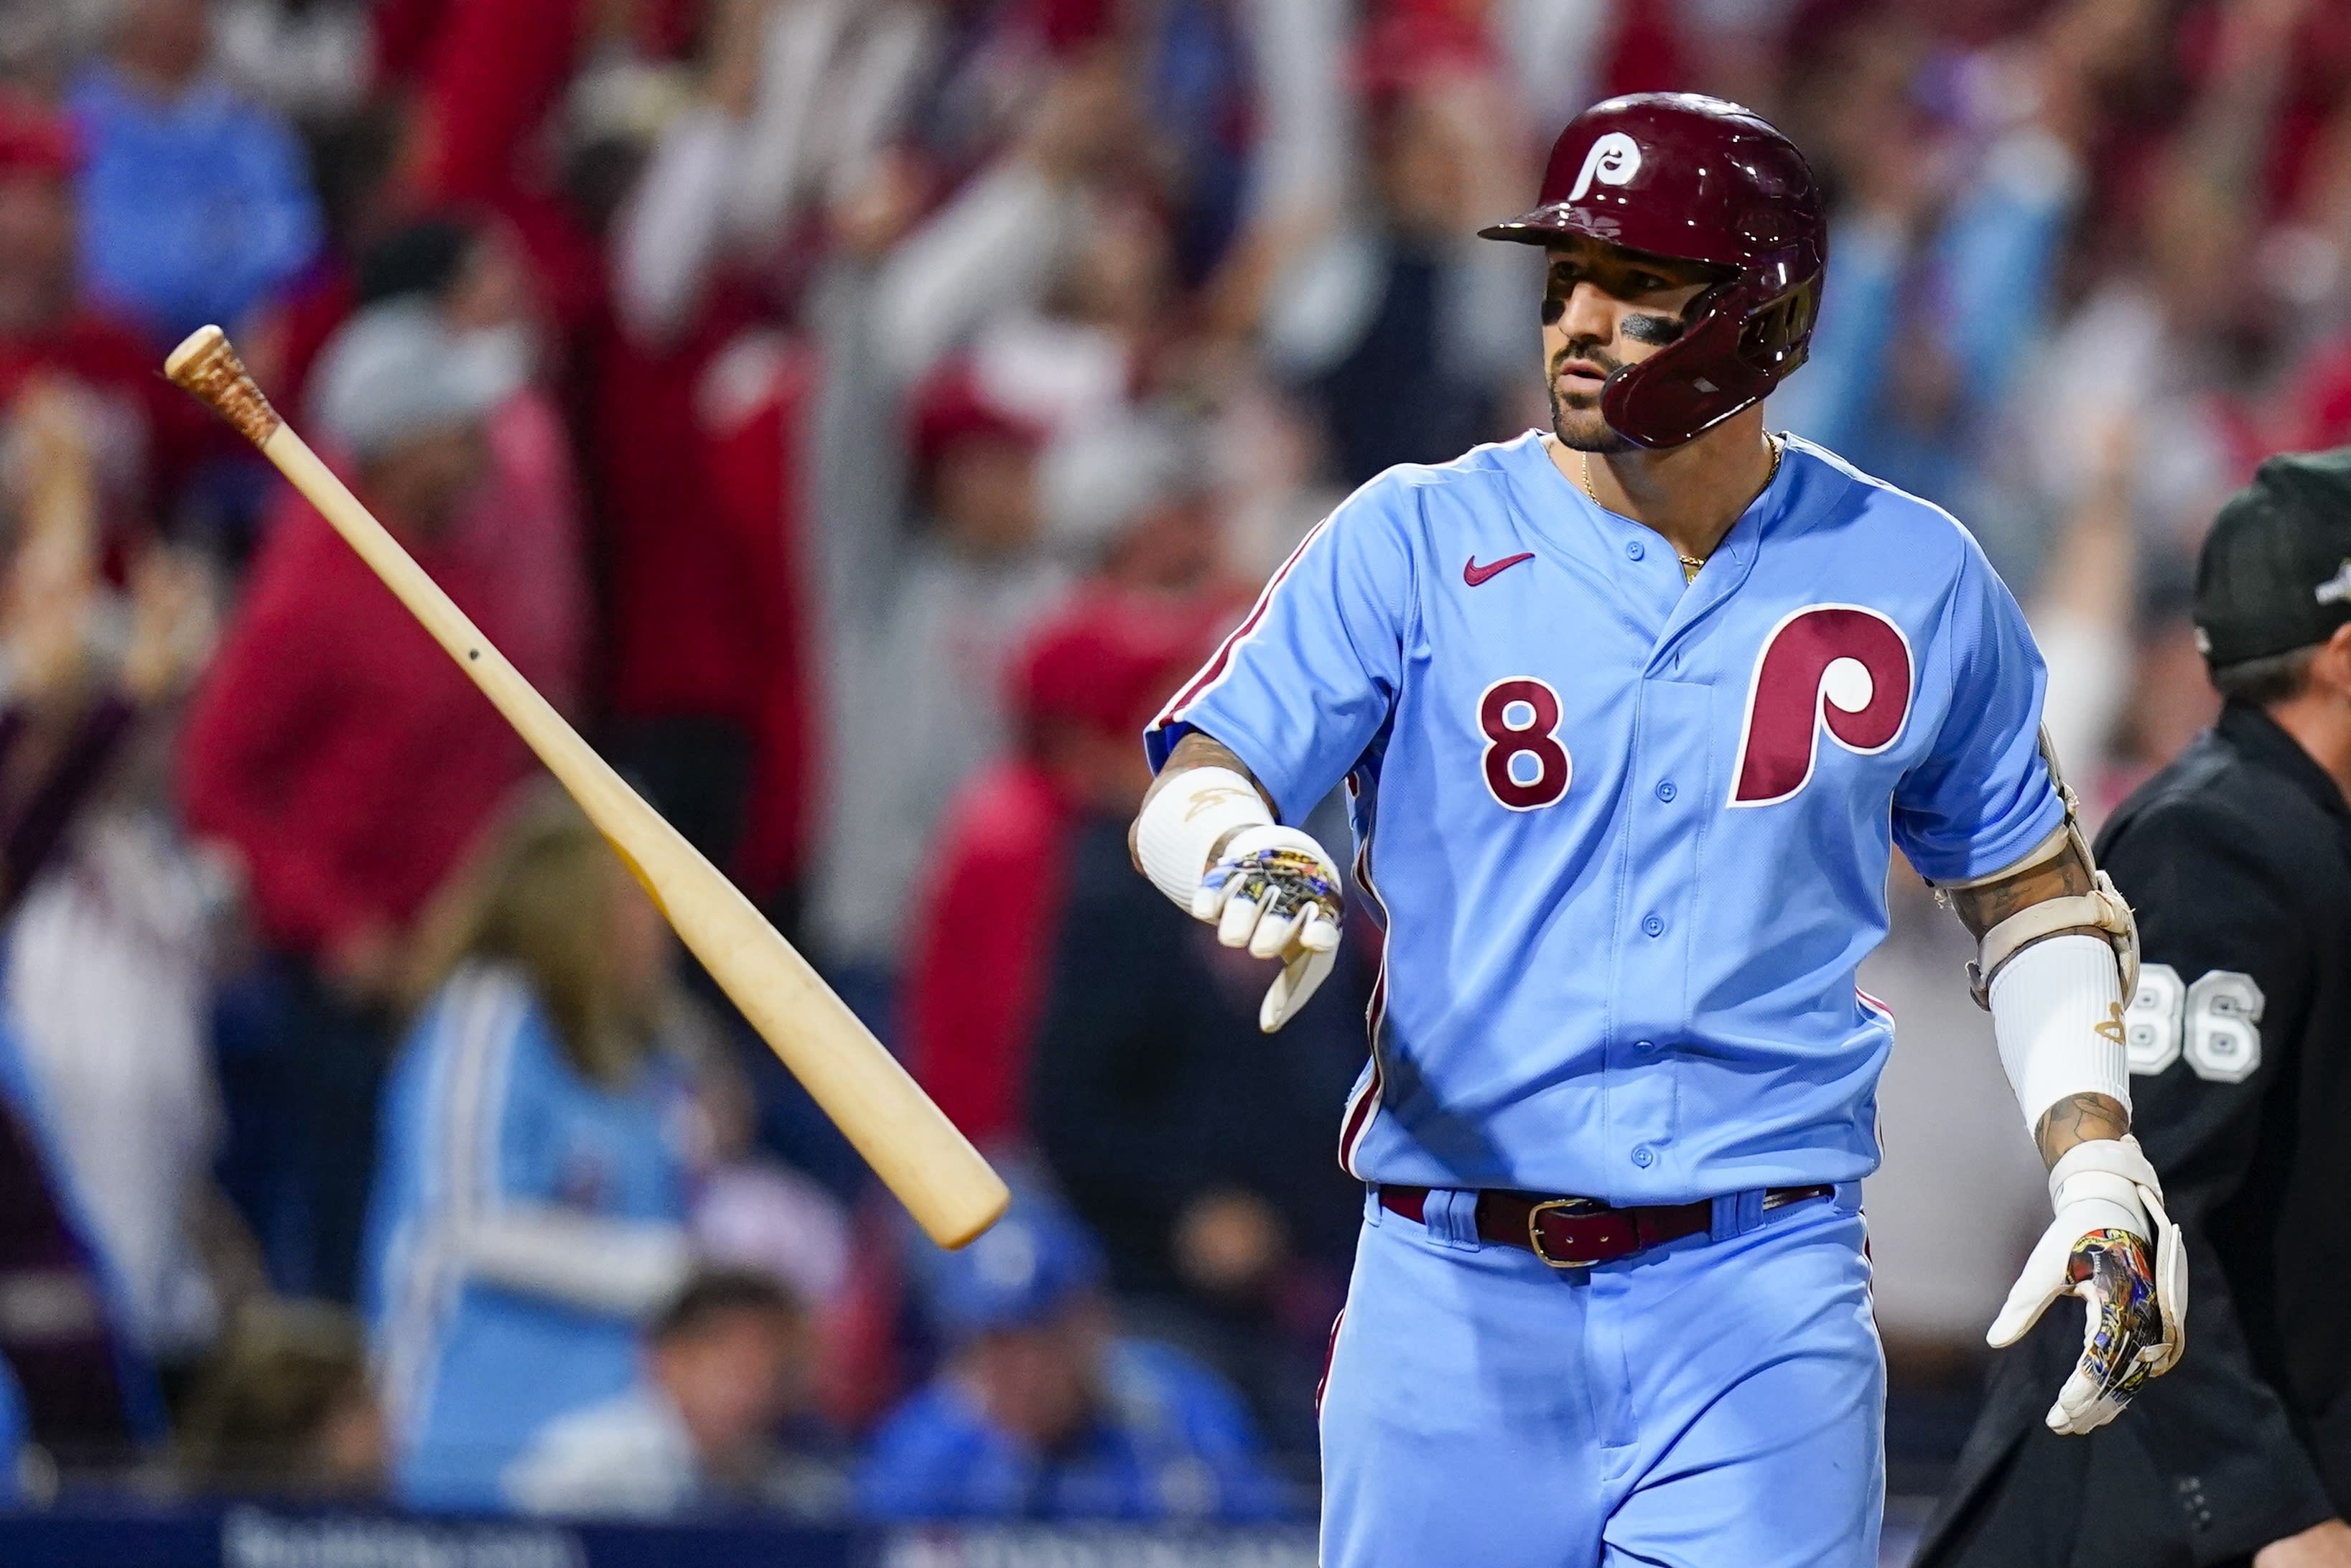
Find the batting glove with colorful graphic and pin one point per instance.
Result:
(1275, 890)
(2113, 1245)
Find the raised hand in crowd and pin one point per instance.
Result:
(1475, 116)
(44, 626)
(174, 620)
(738, 33)
(45, 607)
(56, 470)
(1085, 124)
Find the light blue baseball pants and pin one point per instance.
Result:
(1706, 1404)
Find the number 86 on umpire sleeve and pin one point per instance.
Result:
(2213, 1023)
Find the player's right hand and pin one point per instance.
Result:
(1275, 890)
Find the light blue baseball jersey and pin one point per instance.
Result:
(484, 1115)
(1629, 838)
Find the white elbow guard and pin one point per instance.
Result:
(1182, 824)
(2103, 908)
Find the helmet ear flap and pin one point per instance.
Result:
(1683, 390)
(1778, 334)
(1732, 355)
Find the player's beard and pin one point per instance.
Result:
(1578, 423)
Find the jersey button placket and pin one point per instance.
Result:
(1633, 550)
(1666, 790)
(1644, 1156)
(1654, 926)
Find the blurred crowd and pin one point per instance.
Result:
(859, 415)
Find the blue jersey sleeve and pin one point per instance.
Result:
(1305, 683)
(1982, 797)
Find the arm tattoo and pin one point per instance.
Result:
(2078, 1119)
(1986, 904)
(1195, 750)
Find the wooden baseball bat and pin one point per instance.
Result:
(943, 1181)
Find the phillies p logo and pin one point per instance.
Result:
(1834, 667)
(1614, 159)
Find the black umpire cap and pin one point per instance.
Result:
(2275, 574)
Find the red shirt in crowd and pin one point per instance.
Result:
(980, 967)
(696, 453)
(519, 539)
(333, 744)
(977, 976)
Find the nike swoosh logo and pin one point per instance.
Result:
(1473, 574)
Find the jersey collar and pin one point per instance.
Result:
(1549, 489)
(1561, 509)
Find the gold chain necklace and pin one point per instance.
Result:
(1691, 564)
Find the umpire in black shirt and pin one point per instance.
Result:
(2238, 859)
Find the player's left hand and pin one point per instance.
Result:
(1275, 890)
(2113, 1245)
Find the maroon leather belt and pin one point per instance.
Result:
(1578, 1232)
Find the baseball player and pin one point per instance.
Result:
(1632, 713)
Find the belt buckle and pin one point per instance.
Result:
(1566, 1206)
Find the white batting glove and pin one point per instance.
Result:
(1209, 841)
(1275, 890)
(2113, 1245)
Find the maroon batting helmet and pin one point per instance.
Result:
(1679, 175)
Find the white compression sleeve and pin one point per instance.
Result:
(1186, 820)
(2056, 1011)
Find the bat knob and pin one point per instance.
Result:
(206, 367)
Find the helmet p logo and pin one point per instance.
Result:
(1838, 668)
(1614, 159)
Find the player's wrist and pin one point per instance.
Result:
(2098, 1184)
(1188, 821)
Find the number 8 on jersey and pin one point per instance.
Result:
(1526, 766)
